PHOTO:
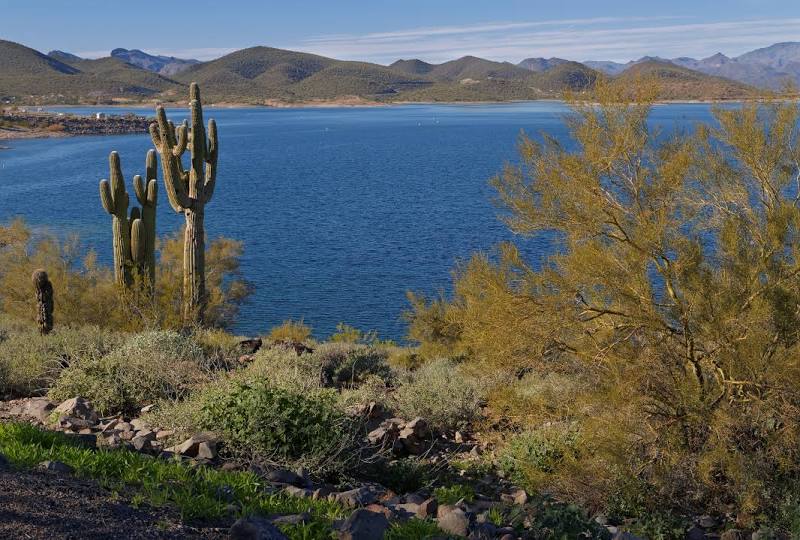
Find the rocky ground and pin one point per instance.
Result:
(48, 504)
(51, 503)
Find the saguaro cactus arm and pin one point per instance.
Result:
(163, 135)
(212, 153)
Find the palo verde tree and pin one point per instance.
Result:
(189, 191)
(672, 297)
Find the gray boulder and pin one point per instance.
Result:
(364, 525)
(255, 528)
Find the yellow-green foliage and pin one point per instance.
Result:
(85, 293)
(291, 331)
(672, 300)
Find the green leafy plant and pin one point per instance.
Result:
(453, 494)
(274, 424)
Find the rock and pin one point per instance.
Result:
(126, 435)
(458, 437)
(379, 509)
(735, 534)
(293, 519)
(321, 493)
(453, 520)
(407, 509)
(284, 476)
(108, 426)
(123, 426)
(39, 408)
(364, 525)
(200, 446)
(622, 535)
(250, 346)
(357, 497)
(695, 533)
(484, 531)
(147, 408)
(383, 434)
(139, 425)
(427, 508)
(517, 496)
(78, 407)
(508, 536)
(415, 498)
(707, 522)
(55, 466)
(294, 491)
(142, 441)
(162, 434)
(255, 528)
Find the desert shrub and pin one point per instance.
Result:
(148, 367)
(670, 296)
(441, 394)
(284, 369)
(349, 334)
(404, 475)
(372, 389)
(405, 358)
(85, 293)
(291, 331)
(564, 521)
(267, 423)
(348, 365)
(30, 362)
(531, 457)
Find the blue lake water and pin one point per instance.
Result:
(341, 210)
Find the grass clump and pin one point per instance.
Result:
(453, 494)
(442, 394)
(148, 367)
(349, 365)
(417, 529)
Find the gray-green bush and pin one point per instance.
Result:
(148, 367)
(441, 393)
(30, 362)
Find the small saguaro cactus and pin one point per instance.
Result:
(131, 247)
(189, 191)
(44, 301)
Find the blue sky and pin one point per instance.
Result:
(382, 31)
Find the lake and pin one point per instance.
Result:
(341, 210)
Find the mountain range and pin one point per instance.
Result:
(770, 67)
(265, 75)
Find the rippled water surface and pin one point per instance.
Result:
(341, 210)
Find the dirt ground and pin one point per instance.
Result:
(47, 505)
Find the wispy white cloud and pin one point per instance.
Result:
(602, 38)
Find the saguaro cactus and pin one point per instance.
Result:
(131, 246)
(189, 191)
(147, 194)
(44, 301)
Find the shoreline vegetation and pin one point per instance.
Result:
(21, 123)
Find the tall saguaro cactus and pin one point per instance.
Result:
(189, 191)
(131, 246)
